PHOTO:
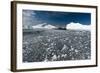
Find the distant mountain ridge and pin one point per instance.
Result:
(72, 26)
(44, 26)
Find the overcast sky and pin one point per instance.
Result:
(33, 17)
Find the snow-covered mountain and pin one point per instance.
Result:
(78, 26)
(44, 26)
(72, 26)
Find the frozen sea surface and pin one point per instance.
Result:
(56, 45)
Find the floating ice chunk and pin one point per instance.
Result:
(71, 49)
(89, 57)
(64, 47)
(52, 43)
(45, 44)
(58, 56)
(76, 51)
(45, 60)
(39, 37)
(66, 39)
(72, 58)
(64, 55)
(55, 37)
(54, 57)
(48, 48)
(25, 42)
(49, 40)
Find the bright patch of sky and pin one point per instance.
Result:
(60, 19)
